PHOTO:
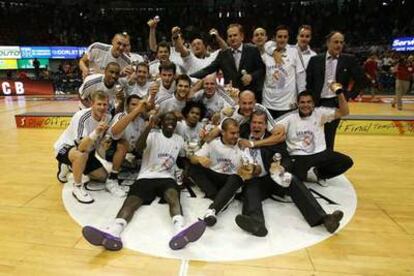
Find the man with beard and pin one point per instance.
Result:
(156, 178)
(75, 148)
(137, 83)
(176, 102)
(305, 138)
(165, 85)
(104, 82)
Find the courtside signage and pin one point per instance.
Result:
(10, 52)
(403, 44)
(35, 52)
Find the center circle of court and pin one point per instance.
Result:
(151, 229)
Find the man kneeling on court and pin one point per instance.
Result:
(76, 146)
(156, 178)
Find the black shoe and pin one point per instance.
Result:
(210, 220)
(251, 225)
(331, 221)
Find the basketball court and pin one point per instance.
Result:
(41, 224)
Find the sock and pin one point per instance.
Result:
(210, 212)
(117, 227)
(113, 175)
(178, 221)
(77, 184)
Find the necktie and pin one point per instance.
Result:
(236, 56)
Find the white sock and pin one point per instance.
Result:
(117, 227)
(178, 221)
(210, 212)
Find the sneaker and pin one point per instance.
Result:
(210, 217)
(187, 235)
(97, 237)
(81, 194)
(283, 179)
(251, 225)
(322, 182)
(331, 221)
(63, 171)
(112, 186)
(312, 175)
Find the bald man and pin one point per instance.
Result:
(259, 39)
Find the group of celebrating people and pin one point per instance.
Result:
(254, 121)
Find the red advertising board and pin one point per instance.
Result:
(25, 87)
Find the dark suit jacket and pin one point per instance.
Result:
(250, 61)
(347, 70)
(268, 151)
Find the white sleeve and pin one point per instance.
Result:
(284, 122)
(327, 114)
(300, 74)
(270, 47)
(115, 120)
(204, 151)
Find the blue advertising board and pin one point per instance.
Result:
(65, 52)
(35, 52)
(403, 44)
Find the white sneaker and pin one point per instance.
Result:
(322, 182)
(81, 194)
(311, 175)
(62, 173)
(112, 186)
(283, 179)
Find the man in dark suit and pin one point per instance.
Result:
(329, 67)
(262, 186)
(241, 63)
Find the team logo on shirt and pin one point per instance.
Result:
(166, 162)
(308, 140)
(226, 165)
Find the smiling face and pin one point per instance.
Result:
(247, 102)
(111, 75)
(99, 107)
(183, 88)
(163, 53)
(193, 116)
(142, 74)
(119, 45)
(231, 134)
(209, 85)
(305, 106)
(282, 38)
(168, 124)
(198, 47)
(259, 37)
(304, 37)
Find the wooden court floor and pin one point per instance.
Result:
(37, 237)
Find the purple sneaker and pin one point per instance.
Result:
(98, 237)
(189, 234)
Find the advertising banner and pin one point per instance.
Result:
(403, 44)
(10, 52)
(28, 63)
(25, 87)
(65, 52)
(8, 64)
(35, 52)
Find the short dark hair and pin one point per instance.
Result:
(227, 122)
(112, 64)
(143, 64)
(259, 112)
(167, 66)
(282, 27)
(236, 25)
(130, 97)
(304, 94)
(332, 33)
(191, 104)
(163, 44)
(183, 77)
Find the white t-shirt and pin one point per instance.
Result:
(131, 133)
(81, 125)
(164, 92)
(160, 155)
(135, 89)
(192, 64)
(154, 67)
(305, 136)
(96, 82)
(170, 103)
(216, 103)
(305, 55)
(225, 159)
(99, 55)
(188, 133)
(280, 93)
(242, 119)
